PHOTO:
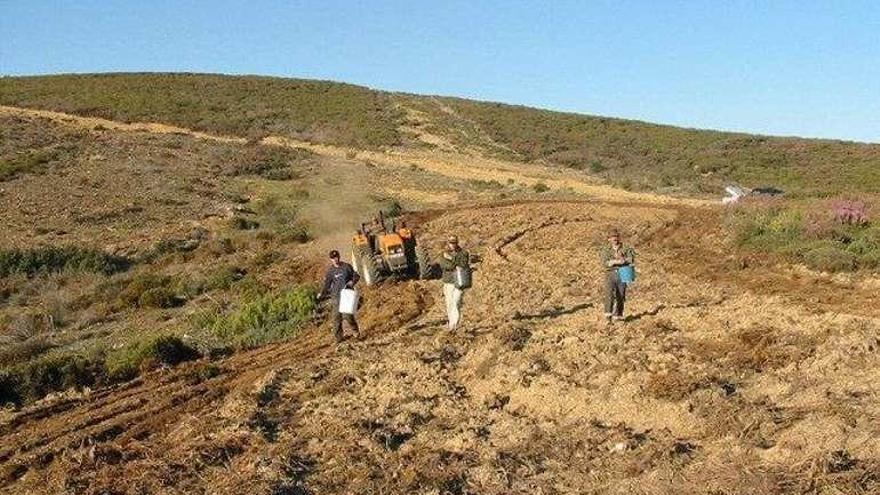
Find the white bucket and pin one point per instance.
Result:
(348, 301)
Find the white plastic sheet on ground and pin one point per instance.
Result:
(734, 194)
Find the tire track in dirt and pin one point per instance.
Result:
(35, 437)
(512, 238)
(81, 425)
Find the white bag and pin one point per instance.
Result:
(348, 301)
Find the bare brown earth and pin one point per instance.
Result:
(732, 375)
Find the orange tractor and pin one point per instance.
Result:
(378, 252)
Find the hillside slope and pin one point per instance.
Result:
(629, 154)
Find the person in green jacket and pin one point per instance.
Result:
(453, 256)
(615, 255)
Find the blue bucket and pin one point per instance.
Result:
(627, 274)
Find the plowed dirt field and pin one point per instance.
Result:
(725, 378)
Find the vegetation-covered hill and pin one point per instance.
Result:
(639, 155)
(244, 106)
(630, 154)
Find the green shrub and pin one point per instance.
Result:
(767, 227)
(865, 242)
(52, 373)
(62, 371)
(59, 259)
(222, 246)
(149, 290)
(271, 163)
(167, 350)
(296, 232)
(158, 297)
(870, 260)
(165, 247)
(241, 223)
(597, 167)
(204, 372)
(250, 287)
(17, 352)
(271, 317)
(540, 187)
(485, 185)
(225, 277)
(278, 174)
(9, 388)
(28, 161)
(830, 259)
(266, 258)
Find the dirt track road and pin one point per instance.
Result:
(723, 379)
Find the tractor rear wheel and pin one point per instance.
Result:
(423, 261)
(368, 269)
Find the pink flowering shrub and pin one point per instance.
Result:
(850, 212)
(836, 219)
(831, 236)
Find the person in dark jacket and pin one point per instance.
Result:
(340, 275)
(615, 255)
(453, 257)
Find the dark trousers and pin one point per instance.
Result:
(337, 321)
(615, 294)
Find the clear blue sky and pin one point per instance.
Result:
(808, 67)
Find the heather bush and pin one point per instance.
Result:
(241, 223)
(224, 277)
(9, 388)
(269, 317)
(12, 353)
(30, 161)
(829, 258)
(152, 352)
(51, 373)
(540, 187)
(850, 212)
(832, 236)
(149, 290)
(271, 163)
(51, 259)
